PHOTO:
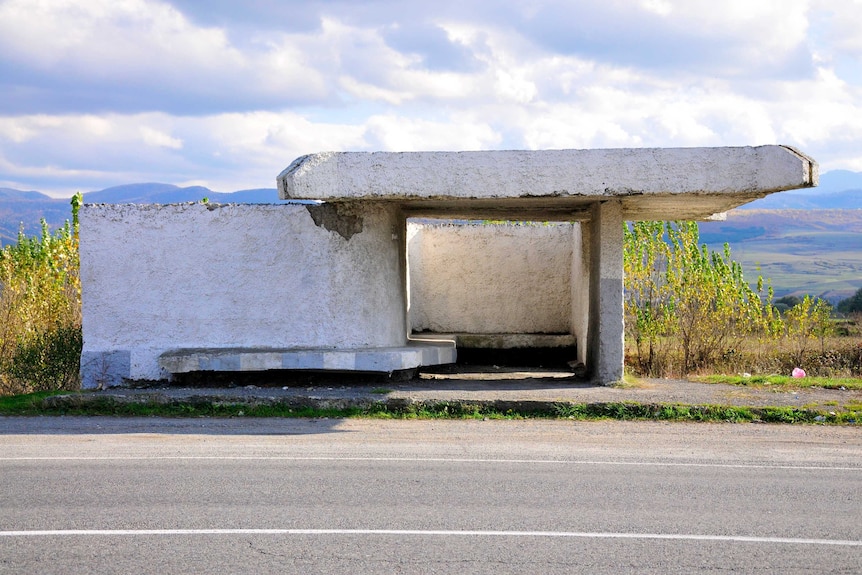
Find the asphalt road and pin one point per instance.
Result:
(102, 495)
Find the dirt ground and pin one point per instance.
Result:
(488, 383)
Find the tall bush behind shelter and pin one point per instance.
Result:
(695, 296)
(647, 305)
(806, 322)
(40, 310)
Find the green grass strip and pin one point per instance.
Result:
(84, 404)
(783, 381)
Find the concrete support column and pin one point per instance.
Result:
(580, 288)
(605, 340)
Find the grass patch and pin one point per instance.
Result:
(86, 404)
(783, 381)
(26, 404)
(706, 413)
(381, 390)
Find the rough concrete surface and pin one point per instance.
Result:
(495, 279)
(490, 385)
(157, 278)
(714, 179)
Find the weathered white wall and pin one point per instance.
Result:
(161, 277)
(480, 278)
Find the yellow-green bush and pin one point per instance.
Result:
(686, 307)
(40, 310)
(690, 310)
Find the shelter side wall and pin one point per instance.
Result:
(490, 278)
(162, 277)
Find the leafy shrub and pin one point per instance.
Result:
(40, 310)
(806, 322)
(852, 304)
(688, 310)
(47, 361)
(685, 307)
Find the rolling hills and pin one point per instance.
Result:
(816, 252)
(18, 208)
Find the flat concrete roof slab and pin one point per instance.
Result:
(553, 184)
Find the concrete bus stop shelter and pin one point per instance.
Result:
(376, 262)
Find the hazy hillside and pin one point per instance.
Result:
(805, 241)
(818, 252)
(28, 208)
(168, 194)
(838, 189)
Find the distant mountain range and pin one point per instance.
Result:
(19, 208)
(805, 241)
(838, 190)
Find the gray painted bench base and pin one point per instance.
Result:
(380, 360)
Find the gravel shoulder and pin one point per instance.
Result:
(495, 384)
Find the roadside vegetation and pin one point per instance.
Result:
(57, 403)
(783, 381)
(40, 310)
(689, 311)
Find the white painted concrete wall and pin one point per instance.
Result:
(161, 277)
(490, 278)
(158, 278)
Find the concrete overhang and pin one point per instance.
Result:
(652, 183)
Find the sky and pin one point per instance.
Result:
(225, 94)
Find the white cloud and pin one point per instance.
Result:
(105, 92)
(153, 137)
(229, 151)
(395, 133)
(99, 36)
(844, 19)
(139, 55)
(660, 7)
(264, 143)
(365, 91)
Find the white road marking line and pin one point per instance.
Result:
(428, 533)
(420, 460)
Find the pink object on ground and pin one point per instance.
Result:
(797, 372)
